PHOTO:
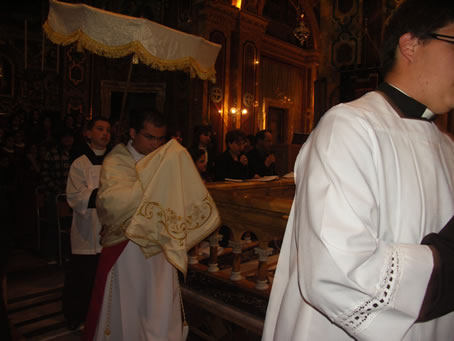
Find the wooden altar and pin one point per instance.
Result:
(229, 286)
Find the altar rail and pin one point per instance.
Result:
(250, 207)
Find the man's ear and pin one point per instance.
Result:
(407, 46)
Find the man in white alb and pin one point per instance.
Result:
(368, 249)
(81, 190)
(154, 207)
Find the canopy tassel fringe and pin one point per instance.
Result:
(84, 42)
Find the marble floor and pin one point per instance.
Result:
(34, 293)
(34, 298)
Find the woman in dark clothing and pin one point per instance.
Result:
(202, 140)
(233, 164)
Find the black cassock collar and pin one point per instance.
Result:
(408, 106)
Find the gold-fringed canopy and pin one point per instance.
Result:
(114, 35)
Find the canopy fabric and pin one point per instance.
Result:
(115, 35)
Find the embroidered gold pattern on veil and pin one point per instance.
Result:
(176, 225)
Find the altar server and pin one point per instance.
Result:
(81, 190)
(368, 250)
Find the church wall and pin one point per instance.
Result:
(342, 55)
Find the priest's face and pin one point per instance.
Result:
(149, 138)
(435, 60)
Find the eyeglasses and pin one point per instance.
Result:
(442, 37)
(152, 138)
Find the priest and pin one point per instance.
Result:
(368, 249)
(154, 207)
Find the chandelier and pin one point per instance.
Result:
(302, 31)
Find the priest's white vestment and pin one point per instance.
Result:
(369, 186)
(156, 316)
(157, 207)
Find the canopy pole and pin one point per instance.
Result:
(125, 93)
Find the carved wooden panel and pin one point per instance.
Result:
(249, 87)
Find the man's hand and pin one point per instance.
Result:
(243, 160)
(270, 159)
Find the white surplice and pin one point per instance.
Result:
(83, 178)
(141, 299)
(369, 186)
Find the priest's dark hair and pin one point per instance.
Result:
(420, 18)
(137, 118)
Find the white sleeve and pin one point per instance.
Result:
(361, 281)
(78, 190)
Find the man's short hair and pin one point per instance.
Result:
(417, 17)
(91, 123)
(234, 135)
(138, 118)
(261, 135)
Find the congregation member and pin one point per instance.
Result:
(233, 164)
(202, 140)
(199, 158)
(153, 207)
(261, 160)
(368, 252)
(81, 191)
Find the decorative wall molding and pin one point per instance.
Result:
(293, 55)
(252, 22)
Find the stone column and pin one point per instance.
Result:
(215, 238)
(236, 250)
(262, 272)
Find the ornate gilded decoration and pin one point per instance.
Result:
(248, 99)
(345, 45)
(216, 94)
(176, 225)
